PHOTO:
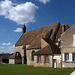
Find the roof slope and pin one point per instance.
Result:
(62, 29)
(49, 49)
(36, 43)
(28, 37)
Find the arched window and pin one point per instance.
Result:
(32, 55)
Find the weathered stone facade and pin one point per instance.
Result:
(58, 60)
(11, 61)
(18, 61)
(50, 63)
(67, 47)
(21, 51)
(42, 64)
(15, 61)
(68, 65)
(43, 43)
(15, 58)
(28, 54)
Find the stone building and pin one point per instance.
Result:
(48, 56)
(40, 47)
(15, 58)
(68, 47)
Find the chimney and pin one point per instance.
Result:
(24, 29)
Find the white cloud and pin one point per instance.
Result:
(18, 30)
(44, 1)
(11, 46)
(10, 49)
(6, 43)
(21, 13)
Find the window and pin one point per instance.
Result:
(73, 57)
(32, 55)
(46, 59)
(39, 59)
(17, 54)
(66, 57)
(73, 40)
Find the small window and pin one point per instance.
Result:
(17, 54)
(73, 57)
(46, 59)
(32, 55)
(67, 57)
(39, 59)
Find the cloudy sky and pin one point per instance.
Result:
(35, 14)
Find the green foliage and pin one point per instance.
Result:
(19, 69)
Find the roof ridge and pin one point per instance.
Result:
(45, 26)
(30, 36)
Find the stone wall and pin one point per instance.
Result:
(67, 39)
(15, 61)
(68, 50)
(11, 61)
(28, 54)
(67, 45)
(43, 43)
(18, 61)
(21, 51)
(42, 64)
(68, 65)
(50, 64)
(58, 60)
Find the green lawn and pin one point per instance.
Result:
(6, 69)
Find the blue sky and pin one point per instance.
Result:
(35, 14)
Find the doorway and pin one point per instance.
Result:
(54, 63)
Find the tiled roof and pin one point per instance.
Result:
(28, 37)
(36, 43)
(60, 31)
(49, 49)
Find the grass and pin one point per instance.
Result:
(6, 69)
